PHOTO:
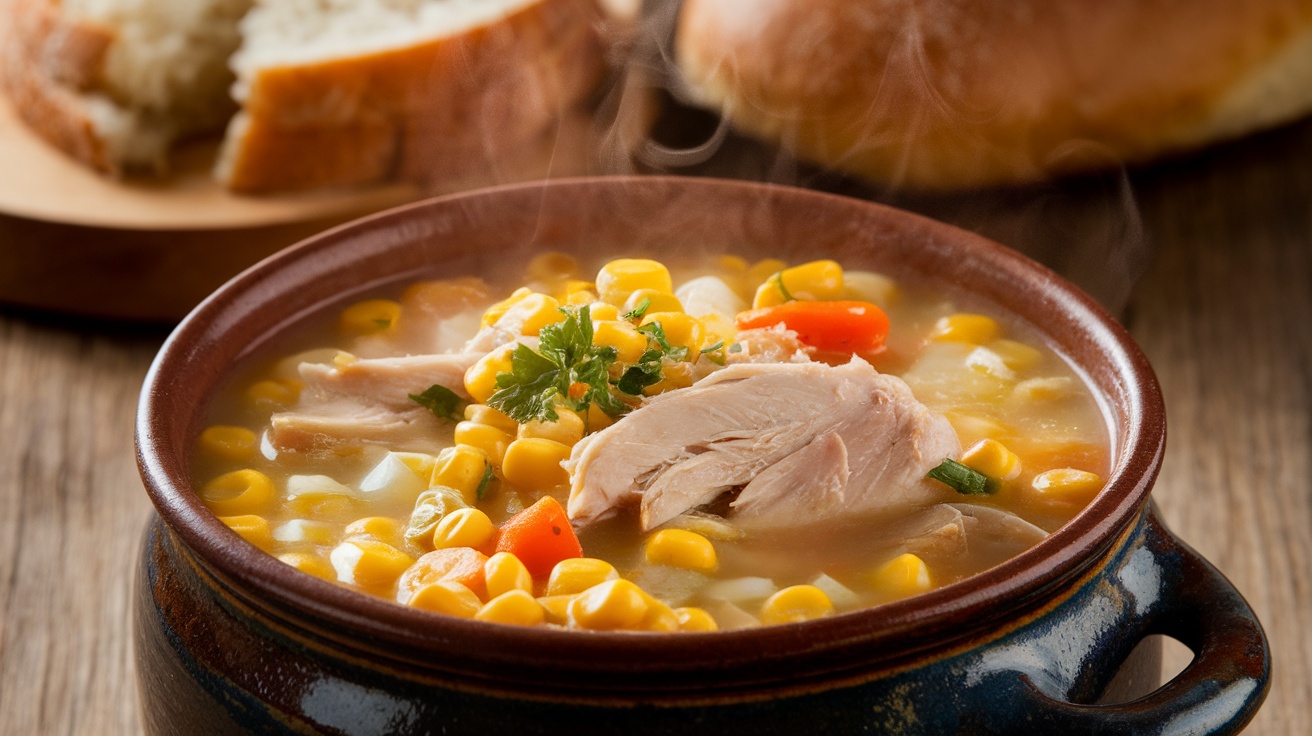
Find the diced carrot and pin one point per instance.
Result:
(836, 327)
(540, 536)
(462, 565)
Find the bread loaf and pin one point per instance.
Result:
(940, 94)
(327, 93)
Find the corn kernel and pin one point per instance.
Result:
(660, 617)
(623, 276)
(657, 301)
(273, 394)
(680, 548)
(310, 564)
(796, 603)
(973, 427)
(534, 463)
(369, 563)
(463, 467)
(1067, 484)
(868, 286)
(578, 574)
(496, 311)
(481, 378)
(503, 573)
(318, 496)
(238, 492)
(532, 313)
(381, 528)
(463, 528)
(1017, 355)
(369, 316)
(599, 311)
(596, 420)
(304, 531)
(229, 443)
(490, 440)
(1043, 389)
(567, 429)
(814, 281)
(612, 605)
(674, 376)
(962, 327)
(624, 337)
(680, 329)
(446, 597)
(552, 266)
(718, 329)
(992, 458)
(515, 608)
(484, 414)
(556, 608)
(431, 506)
(902, 576)
(252, 528)
(695, 619)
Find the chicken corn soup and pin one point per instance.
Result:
(643, 448)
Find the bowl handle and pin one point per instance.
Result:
(1222, 687)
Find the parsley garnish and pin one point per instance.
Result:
(963, 479)
(715, 352)
(440, 400)
(483, 484)
(637, 313)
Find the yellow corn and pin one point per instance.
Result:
(484, 414)
(463, 528)
(310, 564)
(657, 301)
(490, 440)
(660, 617)
(1043, 389)
(369, 316)
(556, 608)
(446, 597)
(796, 603)
(680, 548)
(481, 378)
(503, 572)
(252, 528)
(868, 286)
(814, 281)
(623, 276)
(992, 458)
(496, 311)
(612, 605)
(973, 427)
(902, 576)
(717, 328)
(567, 429)
(515, 608)
(238, 492)
(1067, 484)
(695, 619)
(381, 528)
(229, 443)
(533, 312)
(1016, 355)
(304, 531)
(622, 336)
(596, 419)
(681, 330)
(273, 394)
(369, 563)
(319, 497)
(578, 574)
(675, 375)
(462, 467)
(972, 328)
(552, 266)
(603, 312)
(534, 463)
(420, 463)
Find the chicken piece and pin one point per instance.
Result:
(388, 381)
(776, 344)
(346, 423)
(805, 443)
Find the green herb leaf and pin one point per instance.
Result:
(963, 479)
(485, 482)
(440, 400)
(637, 313)
(714, 352)
(779, 281)
(736, 347)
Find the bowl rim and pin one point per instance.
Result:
(794, 653)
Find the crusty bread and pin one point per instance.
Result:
(331, 93)
(344, 97)
(937, 94)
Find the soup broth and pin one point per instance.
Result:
(642, 447)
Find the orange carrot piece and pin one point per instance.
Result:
(540, 536)
(836, 327)
(462, 565)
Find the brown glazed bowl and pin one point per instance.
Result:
(229, 640)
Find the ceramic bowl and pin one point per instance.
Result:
(229, 640)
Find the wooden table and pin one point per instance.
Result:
(1224, 311)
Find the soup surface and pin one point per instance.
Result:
(642, 447)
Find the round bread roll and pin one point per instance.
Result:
(944, 94)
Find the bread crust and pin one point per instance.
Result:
(939, 94)
(50, 62)
(429, 112)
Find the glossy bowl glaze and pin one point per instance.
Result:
(229, 640)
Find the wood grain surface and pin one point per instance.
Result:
(1219, 244)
